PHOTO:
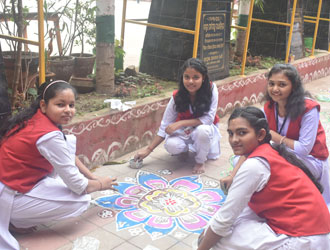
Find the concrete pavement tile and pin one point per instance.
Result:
(213, 171)
(123, 234)
(99, 216)
(107, 240)
(126, 246)
(182, 171)
(191, 240)
(128, 176)
(110, 170)
(163, 243)
(73, 228)
(41, 238)
(180, 246)
(156, 165)
(66, 247)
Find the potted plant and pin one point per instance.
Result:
(19, 66)
(62, 64)
(84, 23)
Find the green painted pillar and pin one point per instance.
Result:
(105, 46)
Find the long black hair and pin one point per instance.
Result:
(204, 94)
(257, 120)
(46, 92)
(295, 105)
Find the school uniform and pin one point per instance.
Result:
(310, 140)
(271, 204)
(204, 139)
(39, 181)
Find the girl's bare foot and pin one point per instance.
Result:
(14, 229)
(198, 168)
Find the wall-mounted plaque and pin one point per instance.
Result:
(212, 42)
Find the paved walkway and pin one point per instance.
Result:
(97, 228)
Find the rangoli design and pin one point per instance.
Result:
(160, 206)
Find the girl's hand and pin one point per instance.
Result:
(107, 183)
(200, 238)
(173, 127)
(142, 154)
(225, 183)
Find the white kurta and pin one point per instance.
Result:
(56, 197)
(304, 145)
(204, 140)
(241, 228)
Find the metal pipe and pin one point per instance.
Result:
(19, 39)
(321, 18)
(247, 37)
(197, 26)
(316, 26)
(42, 67)
(161, 26)
(293, 14)
(269, 21)
(309, 21)
(238, 27)
(122, 35)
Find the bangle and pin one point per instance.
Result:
(282, 139)
(100, 184)
(150, 149)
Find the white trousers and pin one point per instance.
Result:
(204, 140)
(250, 232)
(37, 207)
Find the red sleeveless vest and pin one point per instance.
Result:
(320, 149)
(290, 202)
(21, 165)
(187, 115)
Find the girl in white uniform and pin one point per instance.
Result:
(274, 201)
(190, 121)
(41, 179)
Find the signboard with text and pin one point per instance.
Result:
(212, 42)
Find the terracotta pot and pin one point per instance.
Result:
(82, 85)
(9, 63)
(83, 65)
(62, 66)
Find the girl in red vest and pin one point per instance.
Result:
(190, 121)
(274, 201)
(294, 121)
(41, 179)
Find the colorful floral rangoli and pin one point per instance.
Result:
(162, 206)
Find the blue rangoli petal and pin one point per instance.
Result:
(150, 180)
(117, 202)
(131, 218)
(158, 227)
(193, 223)
(214, 196)
(122, 186)
(187, 183)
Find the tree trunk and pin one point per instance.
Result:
(243, 14)
(18, 19)
(105, 48)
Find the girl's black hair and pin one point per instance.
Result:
(257, 120)
(46, 91)
(204, 94)
(295, 105)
